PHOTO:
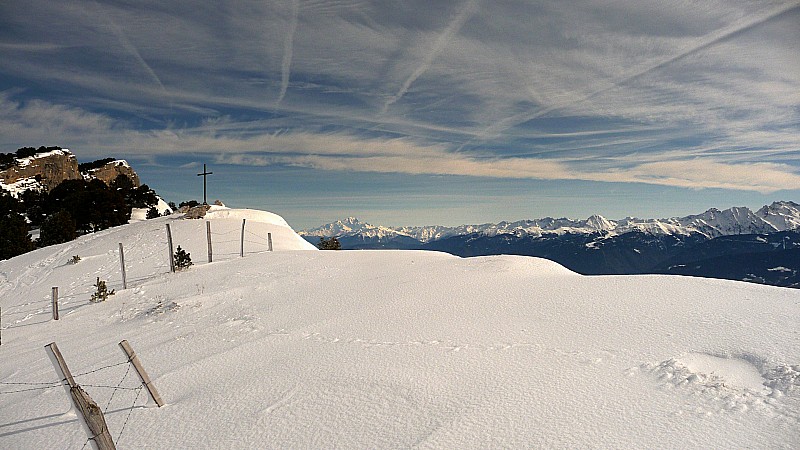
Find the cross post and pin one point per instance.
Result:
(204, 175)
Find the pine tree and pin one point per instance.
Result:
(329, 244)
(102, 292)
(14, 237)
(152, 213)
(182, 259)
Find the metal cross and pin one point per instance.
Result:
(204, 174)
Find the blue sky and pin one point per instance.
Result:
(418, 112)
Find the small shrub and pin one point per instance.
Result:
(183, 259)
(152, 213)
(102, 292)
(74, 260)
(329, 244)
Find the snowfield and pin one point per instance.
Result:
(298, 348)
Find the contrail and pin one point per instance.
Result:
(128, 46)
(286, 64)
(466, 12)
(705, 42)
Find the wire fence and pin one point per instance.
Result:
(27, 386)
(223, 245)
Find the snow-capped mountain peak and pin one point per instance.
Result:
(782, 215)
(600, 223)
(351, 226)
(779, 216)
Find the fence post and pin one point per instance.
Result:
(122, 265)
(269, 241)
(241, 248)
(93, 419)
(171, 251)
(55, 303)
(208, 238)
(126, 347)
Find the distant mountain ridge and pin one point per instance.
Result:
(735, 243)
(779, 216)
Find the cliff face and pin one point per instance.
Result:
(112, 170)
(49, 169)
(45, 171)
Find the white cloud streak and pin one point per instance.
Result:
(288, 43)
(130, 48)
(347, 152)
(658, 92)
(693, 48)
(444, 38)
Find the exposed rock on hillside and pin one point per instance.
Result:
(112, 170)
(48, 169)
(45, 171)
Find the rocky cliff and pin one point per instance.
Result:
(45, 171)
(111, 170)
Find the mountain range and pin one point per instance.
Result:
(737, 243)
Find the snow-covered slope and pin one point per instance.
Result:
(389, 349)
(780, 216)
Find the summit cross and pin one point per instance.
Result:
(204, 175)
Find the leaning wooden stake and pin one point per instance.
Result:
(241, 248)
(171, 251)
(55, 303)
(208, 238)
(269, 241)
(122, 264)
(142, 374)
(94, 421)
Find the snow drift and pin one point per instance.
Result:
(388, 349)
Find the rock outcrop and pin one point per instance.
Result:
(45, 171)
(48, 169)
(110, 171)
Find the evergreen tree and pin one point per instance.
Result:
(57, 228)
(152, 213)
(14, 237)
(183, 259)
(93, 205)
(329, 244)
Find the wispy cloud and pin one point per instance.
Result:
(700, 95)
(691, 48)
(250, 144)
(288, 43)
(452, 28)
(130, 48)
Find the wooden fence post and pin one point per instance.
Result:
(93, 419)
(55, 303)
(171, 251)
(208, 238)
(142, 374)
(241, 249)
(122, 265)
(269, 241)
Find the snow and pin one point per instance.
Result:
(23, 184)
(780, 216)
(389, 349)
(22, 162)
